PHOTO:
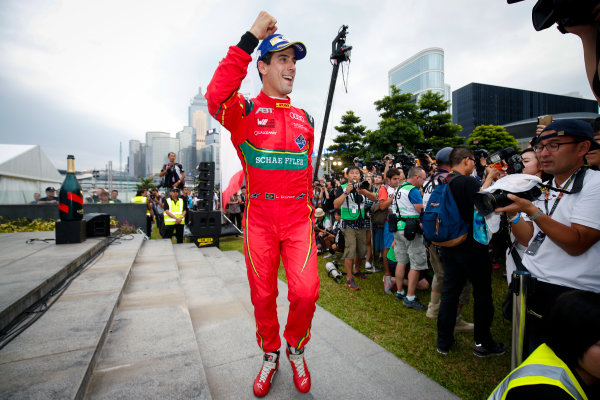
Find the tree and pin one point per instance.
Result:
(436, 123)
(491, 138)
(145, 183)
(398, 125)
(350, 142)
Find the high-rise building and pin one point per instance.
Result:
(187, 148)
(199, 118)
(420, 73)
(136, 159)
(153, 160)
(212, 152)
(478, 104)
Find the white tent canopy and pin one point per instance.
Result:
(25, 170)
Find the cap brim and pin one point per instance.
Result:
(299, 49)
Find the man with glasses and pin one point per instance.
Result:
(562, 227)
(469, 260)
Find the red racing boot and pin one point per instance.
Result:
(301, 374)
(262, 383)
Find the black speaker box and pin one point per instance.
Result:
(205, 194)
(204, 205)
(206, 175)
(97, 224)
(205, 185)
(70, 232)
(206, 166)
(205, 223)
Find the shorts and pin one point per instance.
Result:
(388, 237)
(356, 243)
(412, 251)
(378, 242)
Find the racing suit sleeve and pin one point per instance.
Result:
(225, 104)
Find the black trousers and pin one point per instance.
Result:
(178, 228)
(466, 261)
(148, 226)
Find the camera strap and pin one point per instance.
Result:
(577, 186)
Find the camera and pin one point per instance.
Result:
(333, 272)
(423, 160)
(406, 161)
(508, 156)
(522, 185)
(152, 196)
(360, 185)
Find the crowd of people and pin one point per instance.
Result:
(558, 245)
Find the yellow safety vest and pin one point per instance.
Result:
(141, 200)
(541, 367)
(176, 209)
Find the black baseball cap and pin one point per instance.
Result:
(570, 127)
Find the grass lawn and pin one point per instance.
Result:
(410, 335)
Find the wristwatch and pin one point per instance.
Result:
(537, 215)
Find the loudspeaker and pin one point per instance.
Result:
(206, 166)
(97, 224)
(205, 185)
(204, 205)
(205, 223)
(70, 232)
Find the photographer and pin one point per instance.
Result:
(172, 173)
(395, 177)
(350, 197)
(318, 196)
(156, 202)
(468, 260)
(141, 197)
(407, 206)
(562, 228)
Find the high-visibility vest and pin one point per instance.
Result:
(541, 367)
(350, 209)
(141, 200)
(176, 209)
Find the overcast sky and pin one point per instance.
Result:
(80, 77)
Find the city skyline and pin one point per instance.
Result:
(77, 79)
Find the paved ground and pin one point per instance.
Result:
(151, 320)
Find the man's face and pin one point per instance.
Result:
(562, 160)
(244, 191)
(353, 175)
(420, 179)
(174, 195)
(50, 193)
(36, 196)
(531, 163)
(103, 196)
(278, 77)
(394, 181)
(114, 194)
(171, 157)
(378, 180)
(593, 157)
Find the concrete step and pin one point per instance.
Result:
(53, 357)
(29, 270)
(343, 363)
(151, 350)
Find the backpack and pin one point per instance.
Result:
(442, 223)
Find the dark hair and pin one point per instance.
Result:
(267, 60)
(392, 172)
(458, 154)
(139, 192)
(356, 168)
(115, 190)
(527, 150)
(573, 325)
(171, 152)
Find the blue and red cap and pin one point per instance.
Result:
(278, 42)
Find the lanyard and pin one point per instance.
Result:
(547, 195)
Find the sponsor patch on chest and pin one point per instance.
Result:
(300, 141)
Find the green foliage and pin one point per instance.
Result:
(398, 125)
(145, 183)
(436, 123)
(25, 225)
(491, 138)
(350, 142)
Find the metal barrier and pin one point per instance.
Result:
(520, 286)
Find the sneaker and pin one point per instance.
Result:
(433, 311)
(262, 383)
(329, 255)
(492, 349)
(359, 275)
(299, 368)
(414, 304)
(352, 285)
(387, 284)
(462, 325)
(368, 265)
(400, 296)
(373, 269)
(445, 350)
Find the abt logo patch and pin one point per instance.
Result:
(264, 110)
(300, 141)
(266, 122)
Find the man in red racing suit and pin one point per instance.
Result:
(274, 141)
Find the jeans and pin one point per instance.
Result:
(466, 261)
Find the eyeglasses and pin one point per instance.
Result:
(552, 147)
(471, 158)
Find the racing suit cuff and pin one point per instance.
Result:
(248, 43)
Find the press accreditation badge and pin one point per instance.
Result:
(534, 246)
